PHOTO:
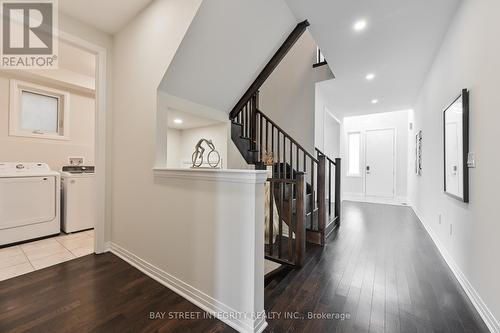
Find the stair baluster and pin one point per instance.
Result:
(297, 190)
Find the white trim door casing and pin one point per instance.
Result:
(380, 163)
(331, 141)
(100, 134)
(329, 124)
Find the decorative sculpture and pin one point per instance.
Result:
(213, 157)
(268, 158)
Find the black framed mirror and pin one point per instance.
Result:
(456, 147)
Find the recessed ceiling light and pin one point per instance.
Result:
(370, 76)
(374, 101)
(360, 25)
(178, 121)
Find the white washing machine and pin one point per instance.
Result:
(29, 202)
(78, 198)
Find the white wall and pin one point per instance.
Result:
(326, 123)
(81, 141)
(331, 135)
(288, 95)
(469, 58)
(181, 143)
(174, 148)
(354, 187)
(177, 225)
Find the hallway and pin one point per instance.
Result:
(383, 271)
(380, 269)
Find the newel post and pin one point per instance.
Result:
(300, 230)
(322, 196)
(338, 180)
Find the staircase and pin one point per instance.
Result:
(300, 186)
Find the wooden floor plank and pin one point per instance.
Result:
(95, 293)
(383, 270)
(380, 272)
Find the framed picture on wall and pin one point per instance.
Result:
(418, 153)
(456, 147)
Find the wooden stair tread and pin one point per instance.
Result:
(295, 200)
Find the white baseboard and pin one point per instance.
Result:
(195, 296)
(474, 297)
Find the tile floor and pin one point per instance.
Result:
(21, 259)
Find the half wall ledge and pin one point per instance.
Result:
(225, 175)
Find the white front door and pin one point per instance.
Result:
(379, 179)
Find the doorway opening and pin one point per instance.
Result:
(59, 168)
(377, 153)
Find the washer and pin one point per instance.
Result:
(29, 202)
(78, 198)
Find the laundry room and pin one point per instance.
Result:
(47, 163)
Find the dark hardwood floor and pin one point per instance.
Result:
(95, 294)
(383, 271)
(380, 271)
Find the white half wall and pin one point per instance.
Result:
(469, 58)
(197, 234)
(205, 241)
(353, 187)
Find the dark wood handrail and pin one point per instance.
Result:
(323, 154)
(300, 201)
(288, 136)
(269, 68)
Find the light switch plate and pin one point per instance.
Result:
(76, 161)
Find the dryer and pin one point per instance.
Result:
(29, 202)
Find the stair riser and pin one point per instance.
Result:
(243, 144)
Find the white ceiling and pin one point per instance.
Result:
(106, 15)
(226, 46)
(398, 46)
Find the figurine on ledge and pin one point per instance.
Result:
(213, 157)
